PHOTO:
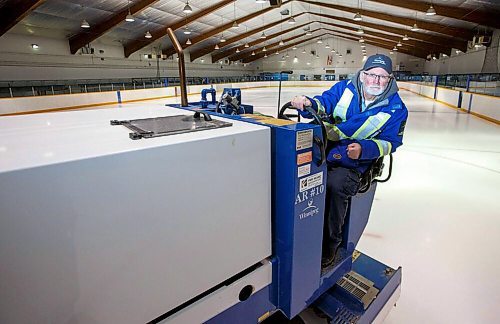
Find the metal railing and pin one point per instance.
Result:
(484, 83)
(11, 89)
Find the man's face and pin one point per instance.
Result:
(375, 80)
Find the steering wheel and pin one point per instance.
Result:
(321, 143)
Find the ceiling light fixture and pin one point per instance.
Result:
(237, 50)
(187, 31)
(391, 52)
(187, 8)
(253, 53)
(357, 17)
(263, 35)
(327, 46)
(431, 11)
(414, 27)
(281, 43)
(246, 45)
(216, 46)
(320, 41)
(85, 24)
(35, 46)
(264, 49)
(361, 40)
(399, 44)
(129, 17)
(148, 35)
(405, 37)
(235, 24)
(360, 31)
(295, 59)
(188, 42)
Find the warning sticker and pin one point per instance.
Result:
(304, 139)
(304, 170)
(304, 158)
(311, 181)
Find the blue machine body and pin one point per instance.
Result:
(298, 206)
(211, 106)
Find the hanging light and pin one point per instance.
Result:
(395, 48)
(237, 50)
(414, 27)
(308, 63)
(253, 53)
(360, 31)
(431, 11)
(287, 55)
(295, 59)
(391, 52)
(317, 56)
(357, 17)
(361, 40)
(444, 55)
(265, 55)
(35, 46)
(363, 46)
(308, 33)
(264, 49)
(304, 51)
(434, 57)
(399, 44)
(340, 55)
(246, 45)
(277, 53)
(364, 57)
(281, 43)
(405, 37)
(188, 42)
(332, 51)
(202, 60)
(327, 46)
(148, 35)
(222, 40)
(235, 25)
(187, 8)
(320, 41)
(216, 46)
(85, 24)
(294, 47)
(187, 31)
(263, 35)
(291, 21)
(129, 17)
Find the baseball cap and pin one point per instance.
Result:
(378, 60)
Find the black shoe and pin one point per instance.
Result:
(327, 261)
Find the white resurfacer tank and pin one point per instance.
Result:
(98, 228)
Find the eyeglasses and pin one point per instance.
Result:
(374, 77)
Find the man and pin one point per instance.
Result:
(366, 120)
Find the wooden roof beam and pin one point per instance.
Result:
(395, 39)
(232, 50)
(137, 44)
(438, 28)
(95, 31)
(210, 48)
(438, 40)
(14, 11)
(217, 30)
(269, 47)
(485, 18)
(281, 48)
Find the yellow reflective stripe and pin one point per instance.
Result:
(371, 125)
(341, 134)
(384, 147)
(343, 104)
(321, 109)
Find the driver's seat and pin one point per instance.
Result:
(373, 172)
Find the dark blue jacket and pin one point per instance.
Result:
(378, 129)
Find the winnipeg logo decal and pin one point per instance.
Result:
(379, 60)
(337, 156)
(309, 211)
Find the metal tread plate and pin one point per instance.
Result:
(170, 125)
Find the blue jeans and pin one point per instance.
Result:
(342, 184)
